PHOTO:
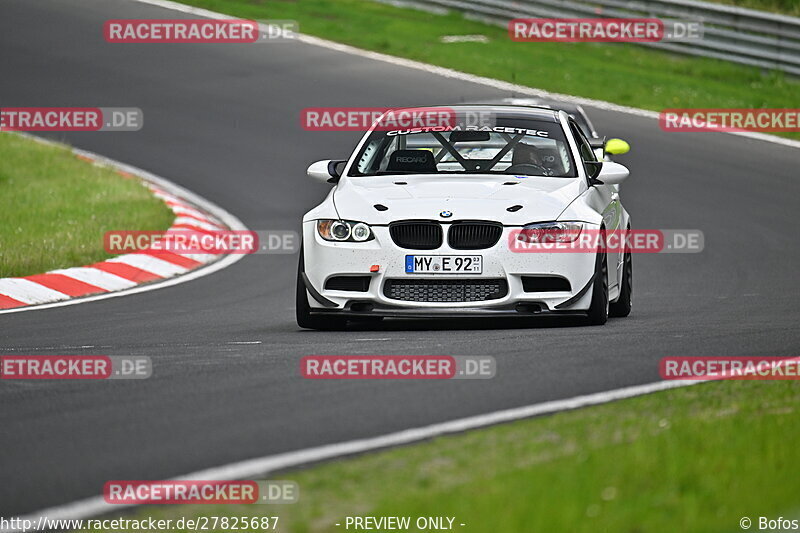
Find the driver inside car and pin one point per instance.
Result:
(529, 155)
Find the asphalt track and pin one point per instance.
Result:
(223, 120)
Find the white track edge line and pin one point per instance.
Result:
(261, 466)
(463, 76)
(221, 214)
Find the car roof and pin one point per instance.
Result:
(546, 103)
(575, 110)
(505, 110)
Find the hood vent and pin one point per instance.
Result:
(380, 207)
(514, 208)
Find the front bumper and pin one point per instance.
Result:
(324, 259)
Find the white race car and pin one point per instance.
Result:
(424, 222)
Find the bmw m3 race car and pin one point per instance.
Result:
(424, 222)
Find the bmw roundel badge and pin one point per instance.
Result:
(446, 214)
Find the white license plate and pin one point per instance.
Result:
(444, 264)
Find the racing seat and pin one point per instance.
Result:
(420, 161)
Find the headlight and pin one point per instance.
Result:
(361, 232)
(550, 232)
(344, 231)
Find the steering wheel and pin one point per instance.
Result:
(525, 168)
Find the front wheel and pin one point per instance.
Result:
(303, 310)
(622, 307)
(598, 310)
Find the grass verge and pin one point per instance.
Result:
(55, 208)
(690, 459)
(621, 73)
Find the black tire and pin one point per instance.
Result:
(598, 310)
(622, 307)
(303, 310)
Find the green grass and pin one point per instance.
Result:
(695, 459)
(621, 73)
(787, 7)
(55, 208)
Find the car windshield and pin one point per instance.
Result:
(517, 147)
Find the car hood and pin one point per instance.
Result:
(473, 197)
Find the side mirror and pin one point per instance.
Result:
(326, 170)
(617, 147)
(613, 173)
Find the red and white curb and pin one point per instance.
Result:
(129, 273)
